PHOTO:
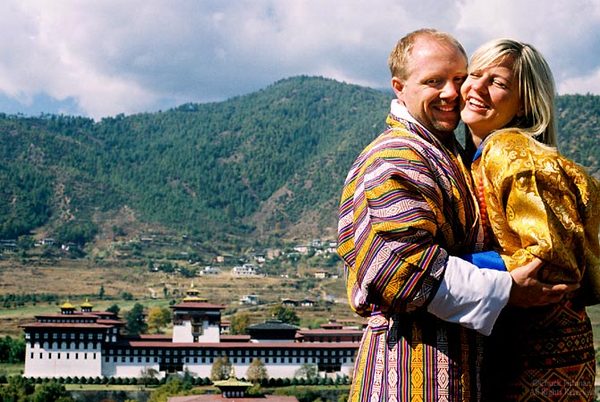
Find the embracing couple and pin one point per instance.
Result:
(474, 266)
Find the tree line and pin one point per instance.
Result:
(255, 164)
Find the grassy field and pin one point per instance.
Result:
(8, 369)
(76, 281)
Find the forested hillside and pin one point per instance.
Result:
(268, 165)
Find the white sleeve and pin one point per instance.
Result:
(470, 296)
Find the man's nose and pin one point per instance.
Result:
(450, 90)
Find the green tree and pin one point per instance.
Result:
(148, 376)
(17, 390)
(158, 317)
(172, 387)
(221, 369)
(134, 319)
(239, 323)
(77, 231)
(51, 392)
(308, 371)
(12, 350)
(101, 292)
(257, 372)
(114, 309)
(285, 314)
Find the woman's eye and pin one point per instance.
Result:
(500, 84)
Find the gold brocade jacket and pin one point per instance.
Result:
(538, 204)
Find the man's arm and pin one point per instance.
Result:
(474, 297)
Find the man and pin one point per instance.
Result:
(407, 211)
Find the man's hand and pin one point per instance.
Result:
(528, 291)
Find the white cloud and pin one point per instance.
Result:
(581, 85)
(110, 57)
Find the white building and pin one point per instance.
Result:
(88, 343)
(245, 270)
(208, 270)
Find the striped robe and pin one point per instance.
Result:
(407, 204)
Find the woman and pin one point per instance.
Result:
(534, 203)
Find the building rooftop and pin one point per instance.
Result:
(135, 343)
(80, 325)
(221, 398)
(198, 306)
(271, 325)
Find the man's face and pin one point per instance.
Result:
(431, 93)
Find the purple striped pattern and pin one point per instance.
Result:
(406, 205)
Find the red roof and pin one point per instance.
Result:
(221, 398)
(330, 332)
(74, 316)
(90, 325)
(234, 338)
(198, 306)
(155, 337)
(241, 345)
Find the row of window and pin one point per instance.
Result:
(68, 320)
(234, 360)
(190, 360)
(239, 352)
(69, 345)
(65, 355)
(64, 335)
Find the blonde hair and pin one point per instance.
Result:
(535, 85)
(399, 57)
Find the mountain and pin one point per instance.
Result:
(263, 167)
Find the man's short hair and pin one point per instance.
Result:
(399, 57)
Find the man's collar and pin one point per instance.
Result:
(400, 111)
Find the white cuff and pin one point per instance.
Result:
(470, 296)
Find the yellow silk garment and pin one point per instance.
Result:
(539, 204)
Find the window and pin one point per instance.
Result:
(31, 356)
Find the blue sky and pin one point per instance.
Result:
(101, 58)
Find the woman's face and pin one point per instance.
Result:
(490, 99)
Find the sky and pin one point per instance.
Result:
(100, 58)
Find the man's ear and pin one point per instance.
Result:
(397, 86)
